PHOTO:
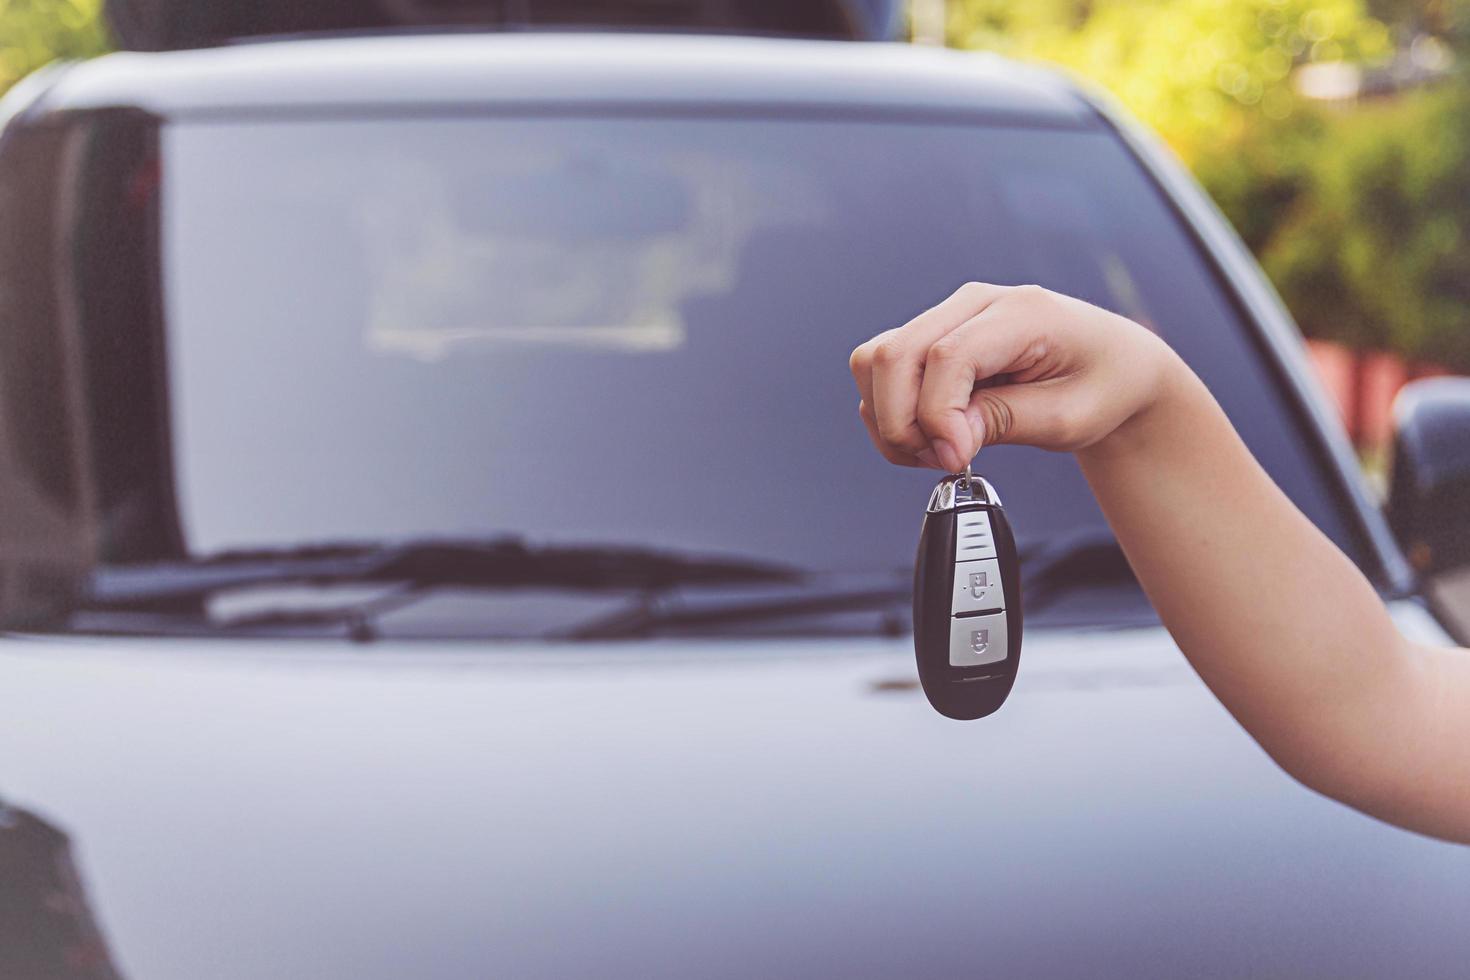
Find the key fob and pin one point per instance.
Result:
(967, 600)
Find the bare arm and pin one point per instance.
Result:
(1277, 621)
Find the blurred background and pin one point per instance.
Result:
(1335, 134)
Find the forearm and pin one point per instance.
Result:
(1276, 620)
(1281, 626)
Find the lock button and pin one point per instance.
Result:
(977, 587)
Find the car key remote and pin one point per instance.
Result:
(967, 600)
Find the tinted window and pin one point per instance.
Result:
(631, 330)
(36, 442)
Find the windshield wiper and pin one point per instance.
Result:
(411, 570)
(888, 598)
(1049, 570)
(418, 566)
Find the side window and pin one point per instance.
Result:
(111, 252)
(37, 448)
(45, 520)
(83, 433)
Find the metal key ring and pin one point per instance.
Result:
(969, 478)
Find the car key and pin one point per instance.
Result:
(967, 600)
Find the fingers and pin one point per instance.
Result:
(1025, 366)
(1039, 413)
(889, 368)
(949, 411)
(924, 458)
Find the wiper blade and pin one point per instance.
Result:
(1048, 571)
(411, 569)
(889, 601)
(420, 565)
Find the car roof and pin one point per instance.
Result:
(569, 70)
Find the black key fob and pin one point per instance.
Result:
(967, 600)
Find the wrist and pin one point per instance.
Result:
(1168, 388)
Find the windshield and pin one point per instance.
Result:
(626, 330)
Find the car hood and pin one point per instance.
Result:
(674, 809)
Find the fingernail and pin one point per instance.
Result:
(949, 457)
(927, 457)
(977, 424)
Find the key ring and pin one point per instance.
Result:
(969, 478)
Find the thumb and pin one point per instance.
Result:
(1015, 414)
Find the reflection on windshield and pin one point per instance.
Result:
(603, 245)
(614, 329)
(666, 305)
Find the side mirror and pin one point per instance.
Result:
(1429, 482)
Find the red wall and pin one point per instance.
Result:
(1367, 413)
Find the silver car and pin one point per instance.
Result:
(439, 541)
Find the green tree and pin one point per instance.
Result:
(1200, 72)
(1376, 251)
(33, 32)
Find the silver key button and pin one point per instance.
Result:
(977, 640)
(977, 587)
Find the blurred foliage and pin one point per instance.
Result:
(1198, 71)
(1448, 20)
(1360, 213)
(1374, 249)
(33, 32)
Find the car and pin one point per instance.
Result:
(439, 540)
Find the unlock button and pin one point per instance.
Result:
(977, 587)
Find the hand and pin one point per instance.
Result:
(1005, 364)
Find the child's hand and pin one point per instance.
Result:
(1066, 376)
